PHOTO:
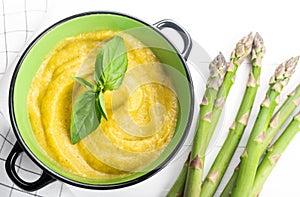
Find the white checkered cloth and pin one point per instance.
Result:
(18, 20)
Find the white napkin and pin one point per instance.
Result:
(18, 20)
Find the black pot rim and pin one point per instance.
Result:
(57, 175)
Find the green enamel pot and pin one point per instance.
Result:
(30, 62)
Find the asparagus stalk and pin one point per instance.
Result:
(178, 187)
(238, 55)
(250, 158)
(273, 155)
(217, 69)
(221, 162)
(281, 116)
(209, 116)
(276, 123)
(231, 183)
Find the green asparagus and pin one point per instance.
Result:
(227, 191)
(221, 162)
(208, 119)
(273, 155)
(276, 123)
(281, 116)
(178, 187)
(250, 158)
(217, 69)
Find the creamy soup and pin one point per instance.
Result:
(142, 113)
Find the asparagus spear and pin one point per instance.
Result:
(221, 162)
(250, 158)
(209, 118)
(217, 69)
(178, 187)
(238, 55)
(273, 155)
(231, 183)
(276, 123)
(281, 116)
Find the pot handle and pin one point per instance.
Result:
(10, 164)
(187, 40)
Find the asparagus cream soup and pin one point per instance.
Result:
(141, 113)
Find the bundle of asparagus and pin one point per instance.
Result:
(217, 89)
(221, 162)
(250, 157)
(273, 155)
(249, 176)
(276, 122)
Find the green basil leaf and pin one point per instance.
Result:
(111, 64)
(88, 109)
(84, 118)
(85, 83)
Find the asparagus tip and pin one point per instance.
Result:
(283, 73)
(258, 49)
(291, 65)
(258, 37)
(219, 62)
(218, 68)
(243, 47)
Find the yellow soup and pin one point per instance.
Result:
(142, 113)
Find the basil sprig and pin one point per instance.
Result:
(88, 109)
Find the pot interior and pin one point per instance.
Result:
(38, 50)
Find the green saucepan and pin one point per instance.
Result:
(34, 55)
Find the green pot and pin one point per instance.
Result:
(33, 57)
